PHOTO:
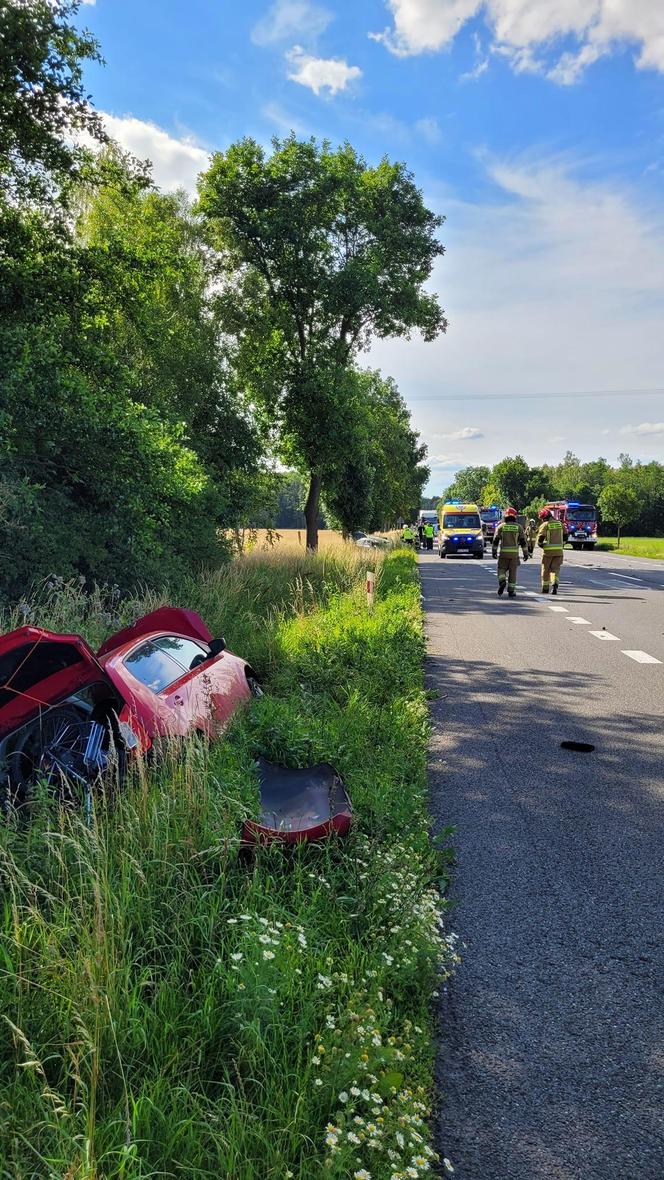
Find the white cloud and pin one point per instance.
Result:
(551, 284)
(464, 435)
(644, 428)
(287, 19)
(476, 72)
(175, 162)
(444, 462)
(530, 33)
(320, 73)
(421, 25)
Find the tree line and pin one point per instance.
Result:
(162, 358)
(630, 494)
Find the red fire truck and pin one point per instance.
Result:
(579, 522)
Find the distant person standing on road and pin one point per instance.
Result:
(407, 535)
(428, 535)
(550, 541)
(507, 537)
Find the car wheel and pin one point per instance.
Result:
(66, 751)
(254, 687)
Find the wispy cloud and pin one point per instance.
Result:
(429, 129)
(644, 428)
(287, 20)
(444, 462)
(466, 434)
(550, 282)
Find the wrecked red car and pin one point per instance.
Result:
(66, 712)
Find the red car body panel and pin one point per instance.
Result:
(254, 832)
(202, 700)
(39, 669)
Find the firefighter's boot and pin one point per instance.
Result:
(502, 582)
(554, 588)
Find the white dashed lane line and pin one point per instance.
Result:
(578, 620)
(630, 577)
(561, 610)
(605, 635)
(641, 657)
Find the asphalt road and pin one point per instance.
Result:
(552, 1030)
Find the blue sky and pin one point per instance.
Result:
(535, 126)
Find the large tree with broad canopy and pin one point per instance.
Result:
(318, 254)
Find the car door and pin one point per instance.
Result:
(191, 694)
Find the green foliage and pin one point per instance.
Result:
(618, 504)
(528, 488)
(43, 101)
(468, 486)
(170, 1009)
(379, 474)
(124, 446)
(519, 484)
(318, 253)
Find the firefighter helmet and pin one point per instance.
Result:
(510, 514)
(544, 513)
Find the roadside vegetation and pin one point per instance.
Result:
(172, 1008)
(630, 495)
(161, 358)
(635, 546)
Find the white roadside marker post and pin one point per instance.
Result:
(371, 586)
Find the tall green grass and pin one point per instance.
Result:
(172, 1008)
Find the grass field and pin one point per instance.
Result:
(171, 1009)
(266, 540)
(635, 546)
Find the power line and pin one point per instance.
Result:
(518, 397)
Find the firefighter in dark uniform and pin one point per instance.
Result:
(507, 537)
(550, 540)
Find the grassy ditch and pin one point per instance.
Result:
(635, 546)
(170, 1009)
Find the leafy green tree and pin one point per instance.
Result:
(123, 446)
(318, 253)
(43, 102)
(490, 494)
(468, 484)
(380, 476)
(619, 505)
(162, 324)
(511, 476)
(518, 483)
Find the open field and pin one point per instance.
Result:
(265, 540)
(635, 546)
(172, 1009)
